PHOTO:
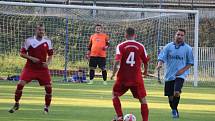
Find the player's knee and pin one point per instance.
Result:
(21, 82)
(48, 89)
(143, 100)
(103, 68)
(114, 95)
(177, 94)
(170, 98)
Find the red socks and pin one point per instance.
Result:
(118, 109)
(117, 106)
(18, 92)
(144, 112)
(48, 96)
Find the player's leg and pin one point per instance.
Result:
(177, 91)
(117, 107)
(45, 80)
(102, 66)
(18, 95)
(92, 66)
(139, 92)
(26, 76)
(144, 109)
(118, 90)
(18, 92)
(169, 91)
(48, 97)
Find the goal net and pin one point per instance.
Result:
(69, 27)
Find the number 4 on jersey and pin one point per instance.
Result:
(130, 59)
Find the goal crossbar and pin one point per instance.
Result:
(97, 7)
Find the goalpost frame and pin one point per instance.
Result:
(195, 12)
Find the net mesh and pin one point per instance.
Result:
(70, 29)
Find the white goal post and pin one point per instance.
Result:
(143, 18)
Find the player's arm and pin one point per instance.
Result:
(115, 68)
(181, 71)
(106, 43)
(33, 59)
(145, 59)
(145, 72)
(189, 61)
(49, 60)
(116, 65)
(89, 49)
(145, 64)
(162, 57)
(49, 57)
(23, 53)
(106, 46)
(107, 40)
(159, 65)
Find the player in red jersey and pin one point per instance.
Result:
(38, 52)
(130, 55)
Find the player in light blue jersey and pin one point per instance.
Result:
(178, 57)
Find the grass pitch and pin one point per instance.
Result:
(82, 102)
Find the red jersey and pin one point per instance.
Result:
(131, 55)
(38, 49)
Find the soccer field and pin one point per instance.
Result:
(82, 102)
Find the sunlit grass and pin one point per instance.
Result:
(81, 102)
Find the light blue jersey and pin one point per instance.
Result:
(176, 58)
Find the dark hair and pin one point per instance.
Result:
(98, 25)
(80, 70)
(39, 25)
(183, 30)
(130, 31)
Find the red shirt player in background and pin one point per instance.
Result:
(38, 52)
(130, 55)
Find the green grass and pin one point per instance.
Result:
(82, 102)
(15, 64)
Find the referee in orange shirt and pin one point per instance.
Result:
(96, 54)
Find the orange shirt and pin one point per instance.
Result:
(98, 41)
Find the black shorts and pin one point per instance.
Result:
(172, 86)
(100, 61)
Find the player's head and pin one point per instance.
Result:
(98, 28)
(130, 33)
(40, 30)
(80, 73)
(179, 36)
